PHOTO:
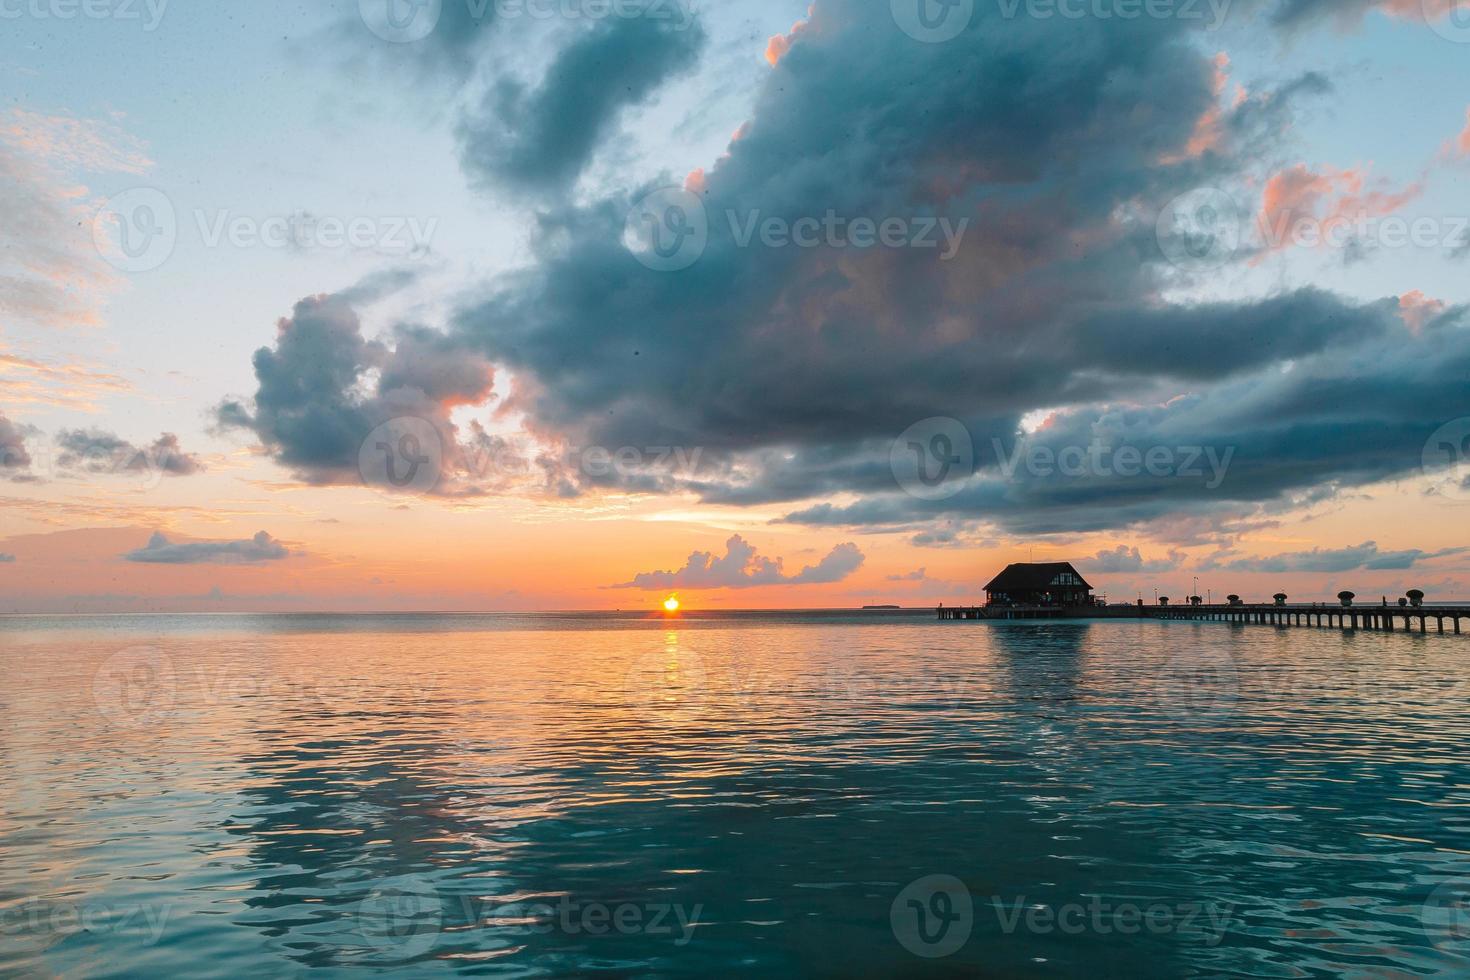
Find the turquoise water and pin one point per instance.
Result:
(774, 795)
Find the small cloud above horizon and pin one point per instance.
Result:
(742, 568)
(161, 551)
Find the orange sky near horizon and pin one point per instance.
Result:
(354, 549)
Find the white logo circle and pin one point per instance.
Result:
(667, 229)
(933, 916)
(1445, 916)
(1200, 230)
(1447, 458)
(136, 687)
(404, 454)
(136, 231)
(402, 914)
(1199, 685)
(401, 21)
(1450, 22)
(932, 21)
(933, 459)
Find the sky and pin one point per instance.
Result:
(573, 304)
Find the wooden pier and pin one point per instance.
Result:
(1322, 616)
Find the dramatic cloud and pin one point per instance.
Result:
(1343, 417)
(96, 451)
(324, 390)
(161, 551)
(1044, 146)
(1363, 556)
(741, 568)
(542, 139)
(796, 368)
(6, 559)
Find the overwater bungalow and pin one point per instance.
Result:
(1039, 584)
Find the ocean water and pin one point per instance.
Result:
(766, 794)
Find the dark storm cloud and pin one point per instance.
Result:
(1345, 416)
(1365, 556)
(796, 369)
(754, 347)
(1060, 142)
(161, 551)
(740, 567)
(541, 139)
(1222, 338)
(98, 451)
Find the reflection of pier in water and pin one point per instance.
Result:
(1386, 618)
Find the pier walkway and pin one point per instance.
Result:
(1387, 618)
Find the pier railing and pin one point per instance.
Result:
(1387, 618)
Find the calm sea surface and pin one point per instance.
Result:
(769, 795)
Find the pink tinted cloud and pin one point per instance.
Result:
(1324, 197)
(1417, 309)
(72, 144)
(779, 44)
(1208, 132)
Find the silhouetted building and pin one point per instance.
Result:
(1046, 584)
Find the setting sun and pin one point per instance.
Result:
(671, 604)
